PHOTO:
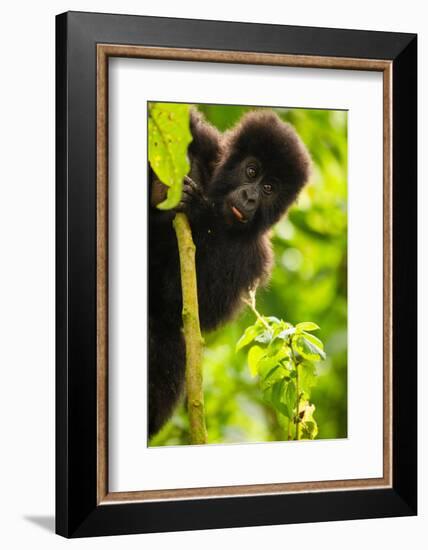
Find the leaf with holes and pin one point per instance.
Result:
(169, 138)
(308, 424)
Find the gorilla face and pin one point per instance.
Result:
(263, 167)
(251, 193)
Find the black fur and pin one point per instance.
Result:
(240, 184)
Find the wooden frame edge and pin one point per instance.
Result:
(241, 57)
(102, 275)
(104, 51)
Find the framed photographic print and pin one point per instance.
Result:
(236, 274)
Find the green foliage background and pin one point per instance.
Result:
(309, 282)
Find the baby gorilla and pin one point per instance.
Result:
(240, 184)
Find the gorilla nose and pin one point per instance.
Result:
(249, 198)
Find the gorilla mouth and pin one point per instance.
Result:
(238, 214)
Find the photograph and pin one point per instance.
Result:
(262, 193)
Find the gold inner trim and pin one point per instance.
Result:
(104, 51)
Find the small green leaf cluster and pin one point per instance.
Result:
(169, 137)
(283, 356)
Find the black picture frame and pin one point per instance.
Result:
(78, 512)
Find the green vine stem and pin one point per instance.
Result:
(251, 303)
(297, 422)
(297, 401)
(192, 331)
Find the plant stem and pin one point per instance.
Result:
(296, 364)
(192, 331)
(297, 402)
(251, 303)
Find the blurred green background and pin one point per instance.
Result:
(309, 283)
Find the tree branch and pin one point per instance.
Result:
(192, 331)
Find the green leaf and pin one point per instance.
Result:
(269, 377)
(255, 353)
(269, 361)
(307, 349)
(307, 376)
(277, 395)
(290, 398)
(272, 319)
(169, 138)
(265, 337)
(315, 346)
(286, 333)
(279, 327)
(274, 346)
(308, 424)
(307, 325)
(308, 430)
(250, 333)
(316, 341)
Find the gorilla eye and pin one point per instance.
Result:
(267, 188)
(251, 171)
